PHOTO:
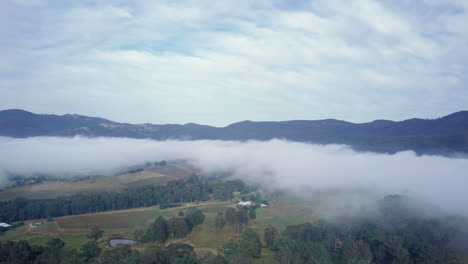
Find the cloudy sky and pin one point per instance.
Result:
(217, 62)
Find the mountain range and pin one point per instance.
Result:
(446, 135)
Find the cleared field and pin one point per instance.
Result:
(52, 189)
(123, 223)
(71, 242)
(81, 222)
(280, 214)
(120, 223)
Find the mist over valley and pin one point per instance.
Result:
(233, 132)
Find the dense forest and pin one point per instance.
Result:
(176, 227)
(419, 241)
(397, 236)
(399, 233)
(55, 252)
(174, 193)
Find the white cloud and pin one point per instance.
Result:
(282, 164)
(264, 60)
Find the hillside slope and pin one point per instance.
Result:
(445, 135)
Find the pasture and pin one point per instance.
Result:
(204, 237)
(53, 189)
(85, 222)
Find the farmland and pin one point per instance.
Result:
(123, 223)
(84, 222)
(283, 212)
(52, 189)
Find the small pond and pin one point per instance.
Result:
(120, 241)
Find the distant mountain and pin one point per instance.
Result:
(444, 135)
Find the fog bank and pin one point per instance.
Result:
(276, 163)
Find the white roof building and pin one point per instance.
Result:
(34, 225)
(4, 225)
(246, 203)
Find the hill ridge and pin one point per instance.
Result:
(444, 135)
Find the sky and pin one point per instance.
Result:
(219, 62)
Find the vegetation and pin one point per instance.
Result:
(176, 227)
(401, 237)
(271, 235)
(95, 233)
(445, 135)
(51, 186)
(22, 252)
(13, 226)
(237, 218)
(80, 222)
(188, 190)
(219, 221)
(280, 234)
(157, 231)
(250, 245)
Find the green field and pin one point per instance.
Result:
(123, 223)
(52, 189)
(73, 229)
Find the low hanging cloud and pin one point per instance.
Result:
(441, 181)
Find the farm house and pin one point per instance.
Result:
(245, 204)
(4, 225)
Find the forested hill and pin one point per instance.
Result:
(445, 135)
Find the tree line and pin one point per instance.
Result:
(176, 227)
(238, 218)
(55, 252)
(397, 236)
(174, 193)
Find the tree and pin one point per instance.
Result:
(178, 227)
(90, 251)
(356, 251)
(250, 245)
(181, 213)
(219, 221)
(95, 233)
(237, 218)
(179, 250)
(228, 249)
(189, 259)
(252, 213)
(154, 255)
(122, 254)
(55, 244)
(230, 215)
(139, 235)
(207, 257)
(194, 216)
(72, 257)
(270, 235)
(242, 219)
(288, 251)
(158, 230)
(306, 232)
(319, 254)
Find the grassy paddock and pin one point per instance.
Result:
(81, 222)
(122, 223)
(53, 189)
